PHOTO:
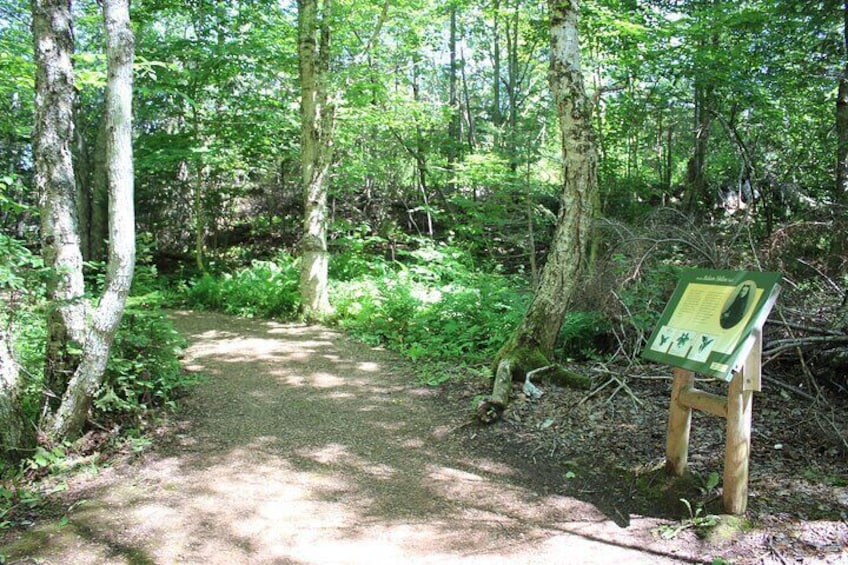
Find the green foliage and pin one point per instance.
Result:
(267, 289)
(356, 255)
(14, 496)
(143, 371)
(434, 306)
(583, 334)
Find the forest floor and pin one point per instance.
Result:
(303, 446)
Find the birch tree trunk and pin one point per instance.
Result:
(71, 415)
(316, 149)
(14, 434)
(534, 339)
(55, 183)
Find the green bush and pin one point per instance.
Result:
(266, 289)
(143, 369)
(435, 306)
(583, 335)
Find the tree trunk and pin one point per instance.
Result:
(55, 183)
(840, 239)
(82, 173)
(316, 153)
(842, 117)
(14, 433)
(497, 119)
(697, 198)
(99, 229)
(534, 339)
(512, 87)
(454, 134)
(70, 418)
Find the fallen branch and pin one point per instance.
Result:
(793, 389)
(778, 346)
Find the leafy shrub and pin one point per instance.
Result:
(357, 256)
(22, 289)
(143, 370)
(583, 335)
(435, 306)
(267, 289)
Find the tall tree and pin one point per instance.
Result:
(316, 150)
(534, 340)
(14, 433)
(54, 133)
(840, 243)
(454, 134)
(56, 186)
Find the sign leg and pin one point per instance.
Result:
(679, 423)
(738, 448)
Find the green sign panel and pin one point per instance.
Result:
(707, 322)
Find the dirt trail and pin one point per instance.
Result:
(305, 447)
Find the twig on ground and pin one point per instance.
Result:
(790, 388)
(833, 428)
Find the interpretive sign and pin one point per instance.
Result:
(707, 323)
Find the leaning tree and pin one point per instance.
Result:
(534, 339)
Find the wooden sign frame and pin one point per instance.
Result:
(736, 333)
(736, 409)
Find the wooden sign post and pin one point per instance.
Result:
(736, 409)
(713, 324)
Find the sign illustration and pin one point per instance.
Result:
(708, 319)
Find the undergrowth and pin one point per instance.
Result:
(434, 305)
(143, 370)
(429, 303)
(265, 289)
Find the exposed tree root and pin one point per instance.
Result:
(509, 370)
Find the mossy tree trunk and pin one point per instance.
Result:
(534, 340)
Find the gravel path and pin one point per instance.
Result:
(306, 447)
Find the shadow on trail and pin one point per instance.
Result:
(303, 447)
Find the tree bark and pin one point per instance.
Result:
(316, 153)
(71, 415)
(842, 118)
(56, 186)
(697, 198)
(497, 119)
(82, 174)
(454, 134)
(99, 229)
(15, 436)
(534, 339)
(840, 238)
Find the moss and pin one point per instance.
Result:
(29, 543)
(726, 530)
(524, 358)
(566, 378)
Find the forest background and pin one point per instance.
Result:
(722, 132)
